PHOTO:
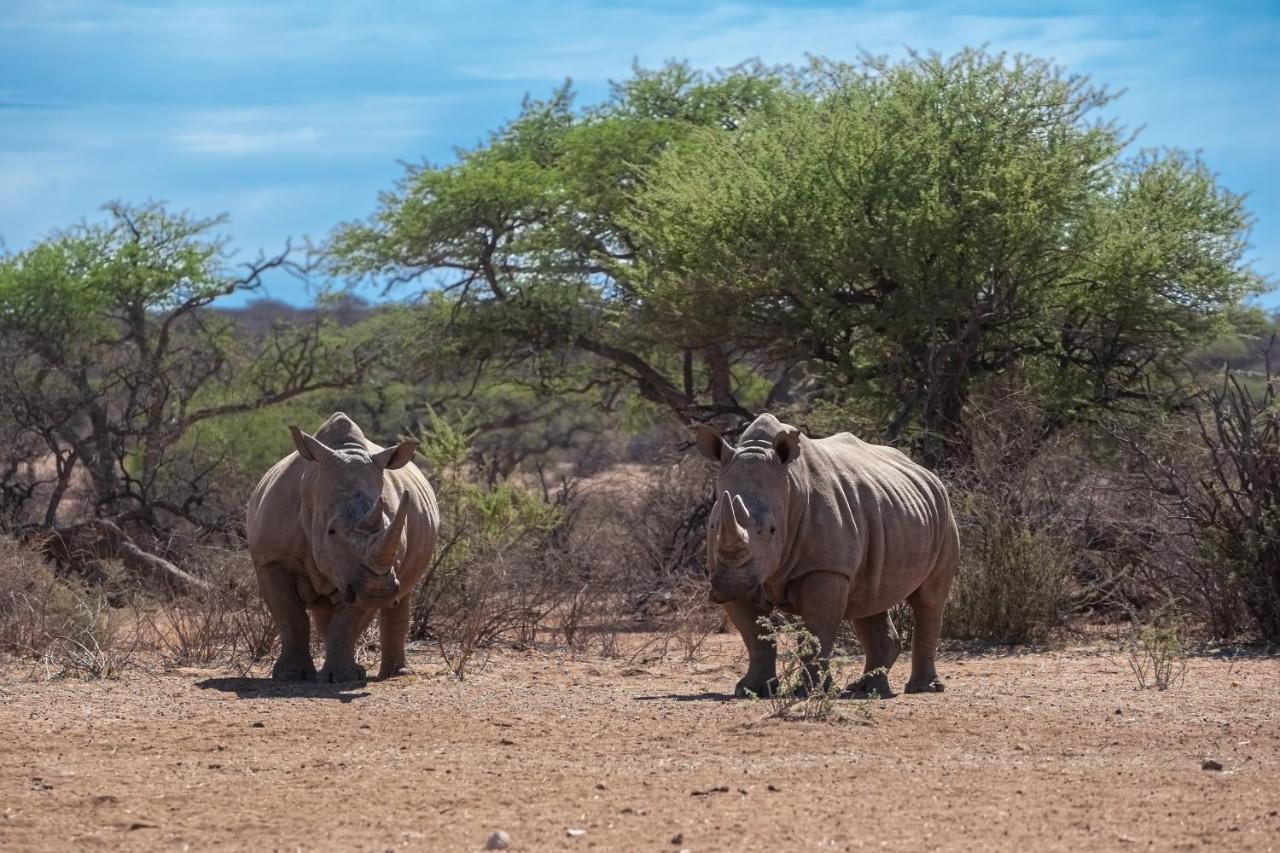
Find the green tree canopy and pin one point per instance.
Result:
(911, 228)
(108, 361)
(894, 233)
(526, 243)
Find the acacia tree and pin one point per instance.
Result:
(109, 360)
(910, 229)
(525, 244)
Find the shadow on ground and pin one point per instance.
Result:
(265, 688)
(706, 696)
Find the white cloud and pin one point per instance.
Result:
(238, 142)
(351, 126)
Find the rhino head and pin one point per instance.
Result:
(747, 528)
(355, 533)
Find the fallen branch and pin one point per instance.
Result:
(103, 539)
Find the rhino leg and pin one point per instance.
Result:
(393, 627)
(320, 619)
(880, 647)
(345, 628)
(927, 604)
(823, 598)
(280, 590)
(762, 656)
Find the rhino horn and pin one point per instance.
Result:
(382, 553)
(731, 538)
(373, 519)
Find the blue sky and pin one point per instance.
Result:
(292, 116)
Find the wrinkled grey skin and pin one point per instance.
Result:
(342, 528)
(830, 529)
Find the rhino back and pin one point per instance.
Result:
(870, 513)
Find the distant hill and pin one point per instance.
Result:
(260, 315)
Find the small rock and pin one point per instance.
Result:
(1210, 764)
(1118, 711)
(573, 832)
(1020, 747)
(677, 839)
(600, 786)
(774, 788)
(258, 725)
(498, 841)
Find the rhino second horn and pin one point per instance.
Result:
(373, 519)
(383, 552)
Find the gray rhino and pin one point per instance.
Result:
(343, 528)
(830, 529)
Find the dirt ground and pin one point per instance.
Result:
(1046, 751)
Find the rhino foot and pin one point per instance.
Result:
(873, 685)
(392, 671)
(341, 673)
(932, 685)
(293, 670)
(748, 687)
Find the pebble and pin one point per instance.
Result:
(498, 841)
(1210, 764)
(575, 833)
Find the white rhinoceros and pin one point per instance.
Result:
(831, 529)
(343, 528)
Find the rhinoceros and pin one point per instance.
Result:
(343, 528)
(830, 529)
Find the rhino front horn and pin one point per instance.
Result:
(382, 554)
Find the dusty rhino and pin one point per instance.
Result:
(831, 529)
(343, 528)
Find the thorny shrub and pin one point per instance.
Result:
(1225, 497)
(807, 689)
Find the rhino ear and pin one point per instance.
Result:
(308, 446)
(786, 445)
(710, 444)
(395, 457)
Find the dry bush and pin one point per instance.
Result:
(104, 649)
(224, 621)
(35, 605)
(1214, 476)
(1156, 651)
(1022, 506)
(66, 622)
(468, 609)
(682, 620)
(1013, 583)
(806, 692)
(647, 527)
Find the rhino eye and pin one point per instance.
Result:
(772, 530)
(332, 532)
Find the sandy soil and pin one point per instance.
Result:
(1047, 751)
